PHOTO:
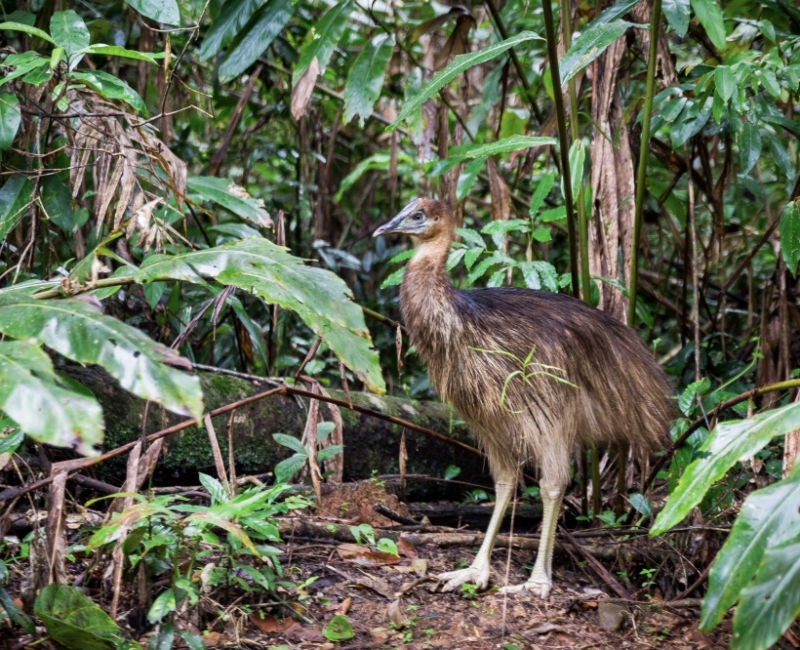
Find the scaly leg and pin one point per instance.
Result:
(541, 581)
(478, 571)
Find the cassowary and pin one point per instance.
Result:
(533, 372)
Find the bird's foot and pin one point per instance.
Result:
(475, 574)
(539, 586)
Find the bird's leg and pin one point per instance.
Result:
(478, 571)
(540, 581)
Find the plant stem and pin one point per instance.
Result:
(552, 55)
(641, 172)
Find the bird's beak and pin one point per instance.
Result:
(395, 225)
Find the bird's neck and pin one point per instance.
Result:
(427, 297)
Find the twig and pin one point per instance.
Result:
(601, 571)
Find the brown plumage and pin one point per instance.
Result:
(588, 378)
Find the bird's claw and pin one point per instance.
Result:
(539, 586)
(454, 579)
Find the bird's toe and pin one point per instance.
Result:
(538, 587)
(454, 579)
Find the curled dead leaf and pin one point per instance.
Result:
(304, 88)
(395, 614)
(363, 555)
(269, 624)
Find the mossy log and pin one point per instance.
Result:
(371, 444)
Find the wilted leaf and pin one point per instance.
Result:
(363, 555)
(30, 393)
(270, 624)
(365, 79)
(304, 88)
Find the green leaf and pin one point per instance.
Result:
(378, 160)
(577, 164)
(749, 146)
(14, 196)
(214, 488)
(329, 452)
(162, 11)
(677, 15)
(512, 143)
(163, 605)
(466, 179)
(771, 604)
(231, 197)
(591, 43)
(30, 394)
(257, 36)
(81, 332)
(365, 79)
(17, 616)
(318, 296)
(641, 504)
(116, 50)
(451, 472)
(725, 81)
(321, 39)
(57, 201)
(790, 236)
(289, 467)
(539, 273)
(710, 17)
(543, 188)
(393, 279)
(339, 629)
(458, 65)
(109, 87)
(233, 16)
(289, 441)
(28, 29)
(768, 518)
(75, 621)
(726, 444)
(69, 31)
(687, 398)
(10, 119)
(22, 64)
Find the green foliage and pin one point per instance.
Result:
(790, 236)
(365, 79)
(589, 45)
(321, 39)
(338, 629)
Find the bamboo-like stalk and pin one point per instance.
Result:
(641, 171)
(563, 145)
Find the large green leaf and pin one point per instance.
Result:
(232, 18)
(790, 236)
(749, 146)
(69, 31)
(768, 518)
(31, 395)
(322, 38)
(458, 65)
(772, 603)
(21, 64)
(725, 81)
(677, 15)
(81, 332)
(162, 11)
(504, 145)
(109, 87)
(318, 296)
(116, 50)
(28, 29)
(726, 444)
(365, 79)
(10, 119)
(592, 42)
(14, 195)
(710, 16)
(231, 197)
(256, 37)
(76, 622)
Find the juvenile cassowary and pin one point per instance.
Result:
(588, 378)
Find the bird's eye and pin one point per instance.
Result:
(417, 217)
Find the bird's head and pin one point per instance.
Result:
(423, 219)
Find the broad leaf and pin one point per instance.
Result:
(592, 42)
(322, 38)
(231, 197)
(162, 11)
(109, 87)
(726, 444)
(116, 50)
(458, 65)
(577, 163)
(710, 16)
(81, 332)
(725, 81)
(365, 79)
(318, 296)
(21, 64)
(10, 119)
(677, 15)
(513, 143)
(14, 196)
(771, 604)
(233, 16)
(256, 37)
(749, 146)
(31, 395)
(28, 29)
(75, 621)
(69, 31)
(768, 518)
(790, 236)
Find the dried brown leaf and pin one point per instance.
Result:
(406, 548)
(304, 88)
(363, 555)
(269, 624)
(395, 614)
